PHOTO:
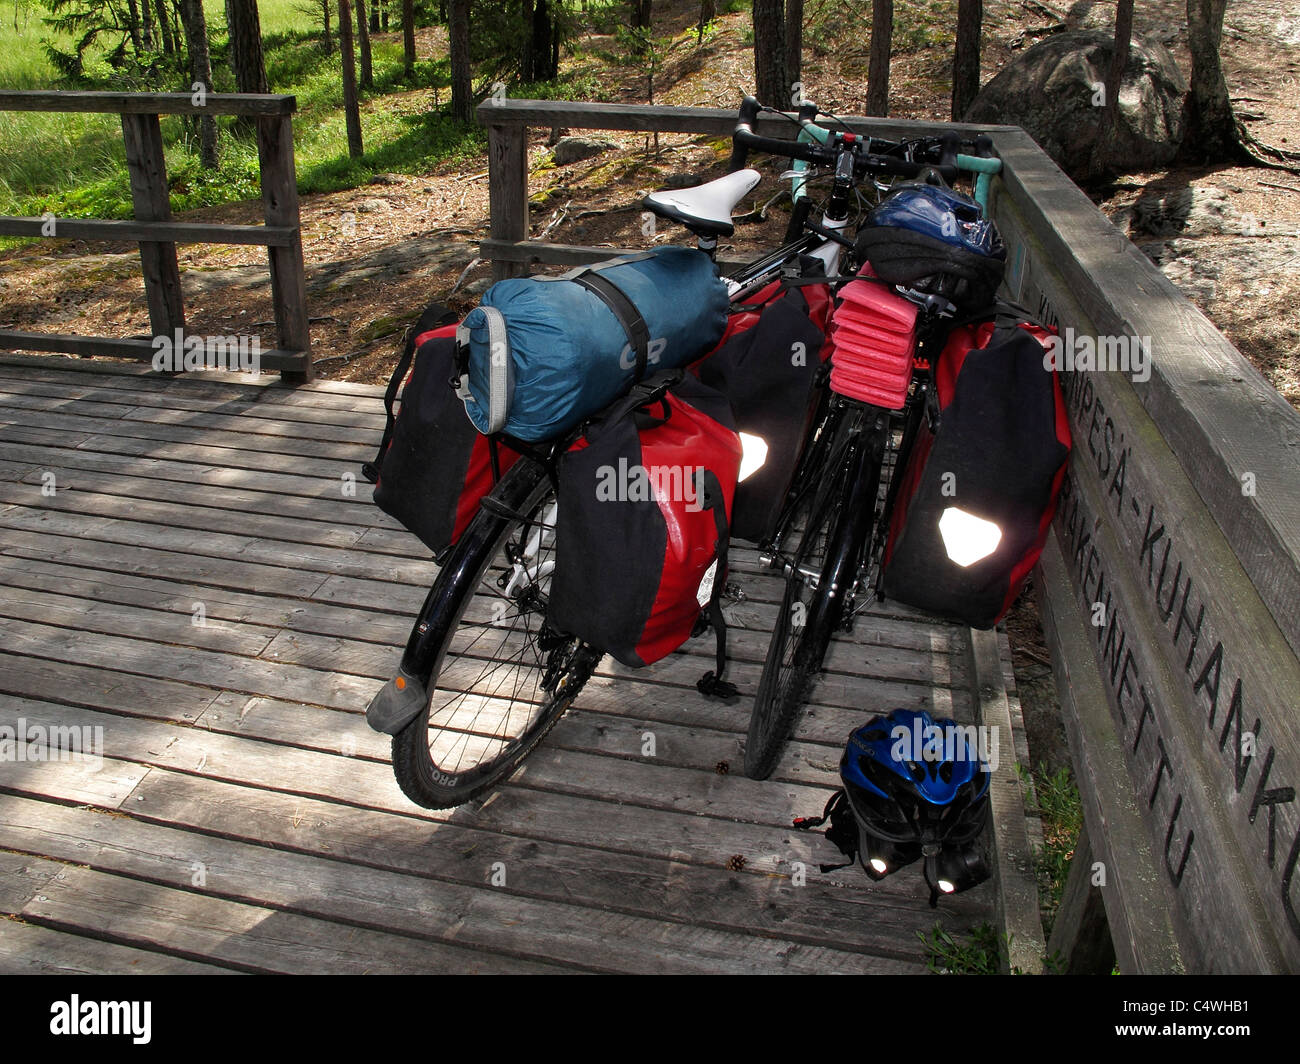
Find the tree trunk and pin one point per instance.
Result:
(545, 56)
(526, 48)
(374, 13)
(166, 34)
(794, 49)
(708, 12)
(770, 83)
(966, 57)
(383, 14)
(882, 35)
(1106, 149)
(196, 43)
(408, 37)
(462, 91)
(1210, 128)
(132, 28)
(642, 14)
(146, 25)
(363, 37)
(328, 42)
(246, 46)
(351, 110)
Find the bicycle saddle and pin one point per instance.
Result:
(705, 209)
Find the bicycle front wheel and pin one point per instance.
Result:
(836, 522)
(501, 678)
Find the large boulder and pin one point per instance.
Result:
(575, 149)
(1052, 91)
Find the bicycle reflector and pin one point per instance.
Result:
(753, 455)
(967, 538)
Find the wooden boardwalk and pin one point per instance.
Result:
(244, 818)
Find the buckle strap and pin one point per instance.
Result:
(500, 368)
(638, 333)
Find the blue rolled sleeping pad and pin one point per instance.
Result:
(566, 347)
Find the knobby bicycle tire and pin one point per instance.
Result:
(499, 679)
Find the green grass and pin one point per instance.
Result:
(74, 165)
(1061, 810)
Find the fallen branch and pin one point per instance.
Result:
(1274, 184)
(463, 274)
(556, 220)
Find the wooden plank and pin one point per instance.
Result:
(144, 230)
(144, 658)
(149, 194)
(333, 512)
(1138, 896)
(288, 274)
(662, 118)
(234, 484)
(645, 886)
(539, 251)
(551, 819)
(297, 556)
(155, 103)
(28, 949)
(1080, 942)
(252, 404)
(322, 458)
(219, 604)
(249, 938)
(505, 922)
(220, 573)
(507, 191)
(1015, 874)
(1219, 417)
(113, 347)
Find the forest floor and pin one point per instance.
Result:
(1228, 236)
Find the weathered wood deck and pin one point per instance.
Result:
(245, 818)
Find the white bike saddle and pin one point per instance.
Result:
(705, 209)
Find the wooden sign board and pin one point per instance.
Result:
(1172, 550)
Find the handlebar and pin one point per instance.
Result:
(865, 162)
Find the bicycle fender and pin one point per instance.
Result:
(397, 703)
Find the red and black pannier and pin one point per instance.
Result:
(978, 493)
(644, 502)
(433, 465)
(767, 365)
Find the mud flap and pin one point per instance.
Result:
(396, 704)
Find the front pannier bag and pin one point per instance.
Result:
(641, 528)
(433, 466)
(543, 353)
(977, 497)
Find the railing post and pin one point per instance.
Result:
(508, 191)
(1081, 935)
(288, 277)
(162, 279)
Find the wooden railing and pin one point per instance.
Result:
(158, 235)
(1170, 592)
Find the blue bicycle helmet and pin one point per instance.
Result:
(934, 241)
(917, 789)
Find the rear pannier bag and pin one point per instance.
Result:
(433, 466)
(998, 456)
(543, 353)
(645, 495)
(768, 369)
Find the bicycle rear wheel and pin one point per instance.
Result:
(500, 677)
(836, 520)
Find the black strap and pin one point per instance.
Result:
(638, 333)
(711, 684)
(434, 316)
(842, 832)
